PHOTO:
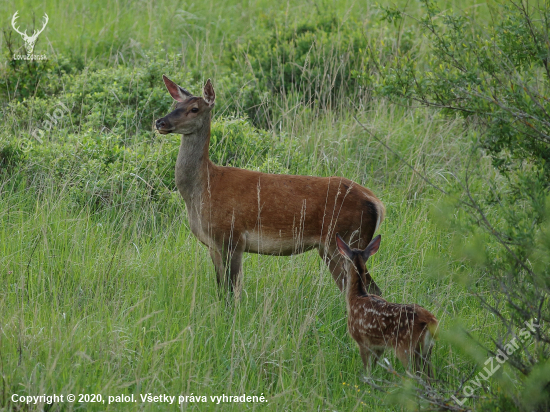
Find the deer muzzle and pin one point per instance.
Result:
(163, 126)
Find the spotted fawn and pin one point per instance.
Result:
(377, 324)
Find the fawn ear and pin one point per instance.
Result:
(372, 248)
(177, 92)
(209, 94)
(343, 248)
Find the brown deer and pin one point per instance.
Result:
(233, 210)
(377, 324)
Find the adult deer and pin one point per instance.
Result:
(233, 210)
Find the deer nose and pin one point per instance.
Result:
(160, 123)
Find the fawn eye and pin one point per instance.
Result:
(194, 110)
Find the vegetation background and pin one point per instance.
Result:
(103, 288)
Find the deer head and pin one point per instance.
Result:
(30, 41)
(358, 278)
(190, 113)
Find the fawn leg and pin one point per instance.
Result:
(377, 354)
(426, 364)
(366, 358)
(403, 356)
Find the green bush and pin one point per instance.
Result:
(238, 94)
(123, 100)
(497, 78)
(11, 155)
(322, 60)
(235, 142)
(104, 167)
(317, 58)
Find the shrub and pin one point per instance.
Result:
(497, 77)
(235, 142)
(316, 58)
(105, 168)
(321, 60)
(11, 155)
(124, 100)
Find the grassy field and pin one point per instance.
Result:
(121, 298)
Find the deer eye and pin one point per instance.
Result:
(194, 110)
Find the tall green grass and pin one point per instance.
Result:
(123, 30)
(122, 299)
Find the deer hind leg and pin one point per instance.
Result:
(428, 370)
(418, 364)
(365, 238)
(422, 366)
(422, 361)
(403, 354)
(236, 270)
(334, 260)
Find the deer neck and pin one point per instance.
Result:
(354, 285)
(192, 164)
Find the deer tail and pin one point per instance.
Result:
(380, 214)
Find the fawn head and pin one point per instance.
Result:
(358, 258)
(191, 112)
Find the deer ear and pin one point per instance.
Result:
(209, 94)
(177, 92)
(343, 248)
(372, 248)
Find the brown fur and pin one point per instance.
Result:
(376, 324)
(233, 210)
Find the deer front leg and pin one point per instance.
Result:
(335, 265)
(366, 357)
(219, 265)
(377, 354)
(228, 263)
